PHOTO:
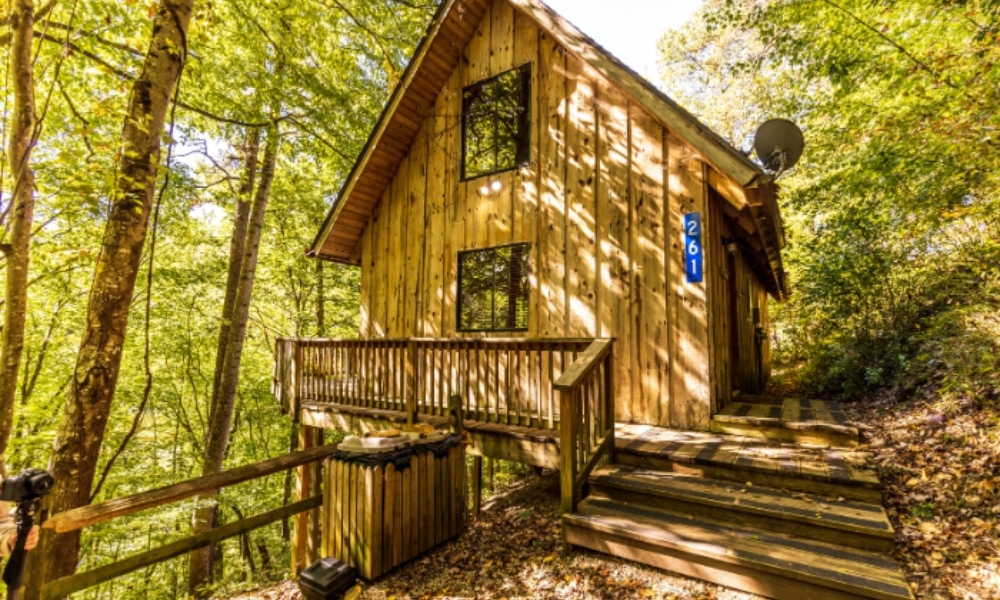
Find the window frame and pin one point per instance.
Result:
(458, 305)
(522, 154)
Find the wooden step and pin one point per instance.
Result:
(850, 523)
(750, 560)
(817, 422)
(830, 473)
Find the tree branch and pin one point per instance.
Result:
(318, 138)
(375, 37)
(922, 65)
(79, 117)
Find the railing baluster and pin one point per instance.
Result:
(515, 392)
(438, 365)
(448, 369)
(541, 389)
(548, 390)
(331, 376)
(581, 439)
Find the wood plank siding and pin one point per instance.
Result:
(601, 204)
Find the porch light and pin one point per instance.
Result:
(490, 187)
(730, 244)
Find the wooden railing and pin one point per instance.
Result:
(86, 516)
(506, 381)
(587, 427)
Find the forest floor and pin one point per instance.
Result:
(512, 550)
(939, 462)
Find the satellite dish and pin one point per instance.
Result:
(778, 144)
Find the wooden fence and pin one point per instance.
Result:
(86, 516)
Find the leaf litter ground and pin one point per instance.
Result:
(939, 462)
(512, 550)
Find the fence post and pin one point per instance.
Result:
(303, 483)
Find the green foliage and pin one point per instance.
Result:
(329, 66)
(891, 215)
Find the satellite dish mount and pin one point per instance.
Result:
(778, 144)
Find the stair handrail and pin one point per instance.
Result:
(587, 418)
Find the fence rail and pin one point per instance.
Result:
(86, 516)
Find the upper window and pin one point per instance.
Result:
(495, 123)
(493, 289)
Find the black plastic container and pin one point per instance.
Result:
(327, 579)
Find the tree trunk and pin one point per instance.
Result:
(200, 561)
(220, 419)
(251, 147)
(320, 304)
(88, 402)
(22, 23)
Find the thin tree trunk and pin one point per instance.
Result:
(200, 561)
(320, 304)
(22, 23)
(88, 402)
(220, 420)
(251, 147)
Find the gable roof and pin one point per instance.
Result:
(744, 185)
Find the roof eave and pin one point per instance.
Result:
(315, 250)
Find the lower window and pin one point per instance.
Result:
(493, 289)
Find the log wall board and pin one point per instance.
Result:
(601, 204)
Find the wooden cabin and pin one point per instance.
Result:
(523, 183)
(561, 261)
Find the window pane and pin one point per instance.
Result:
(494, 290)
(476, 304)
(495, 123)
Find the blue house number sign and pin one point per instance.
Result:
(693, 255)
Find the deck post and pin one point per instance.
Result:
(477, 484)
(609, 401)
(316, 489)
(303, 483)
(567, 458)
(411, 381)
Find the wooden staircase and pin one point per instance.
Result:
(760, 516)
(804, 421)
